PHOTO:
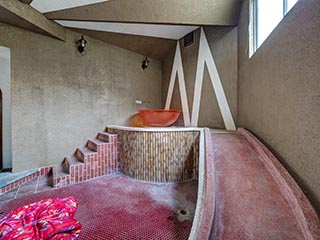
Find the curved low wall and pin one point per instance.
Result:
(300, 205)
(158, 154)
(205, 209)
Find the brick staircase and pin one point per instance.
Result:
(98, 158)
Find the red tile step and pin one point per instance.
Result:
(96, 144)
(85, 154)
(107, 137)
(111, 138)
(70, 164)
(98, 158)
(60, 178)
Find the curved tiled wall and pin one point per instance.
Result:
(158, 155)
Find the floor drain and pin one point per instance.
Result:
(183, 212)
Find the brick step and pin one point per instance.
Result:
(58, 171)
(98, 158)
(83, 154)
(65, 165)
(106, 136)
(60, 178)
(96, 144)
(69, 163)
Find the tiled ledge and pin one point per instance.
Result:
(155, 129)
(300, 205)
(205, 209)
(14, 180)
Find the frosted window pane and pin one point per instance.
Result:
(270, 13)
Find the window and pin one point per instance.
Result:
(266, 16)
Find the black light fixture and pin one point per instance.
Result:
(145, 63)
(26, 1)
(82, 45)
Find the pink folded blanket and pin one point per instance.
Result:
(47, 219)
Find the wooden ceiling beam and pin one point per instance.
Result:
(186, 12)
(30, 17)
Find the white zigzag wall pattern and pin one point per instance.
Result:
(204, 57)
(178, 69)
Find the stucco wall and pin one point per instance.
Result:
(223, 44)
(279, 92)
(60, 98)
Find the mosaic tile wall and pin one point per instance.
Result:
(159, 156)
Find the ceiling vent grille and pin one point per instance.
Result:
(188, 39)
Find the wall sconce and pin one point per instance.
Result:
(145, 63)
(26, 1)
(82, 45)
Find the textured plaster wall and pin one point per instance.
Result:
(223, 44)
(279, 92)
(60, 98)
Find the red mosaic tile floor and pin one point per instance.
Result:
(116, 207)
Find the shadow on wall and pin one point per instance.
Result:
(135, 121)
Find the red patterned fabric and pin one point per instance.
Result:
(47, 219)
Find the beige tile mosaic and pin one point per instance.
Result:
(159, 156)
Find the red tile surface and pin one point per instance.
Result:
(116, 207)
(249, 202)
(300, 205)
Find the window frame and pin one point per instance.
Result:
(254, 22)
